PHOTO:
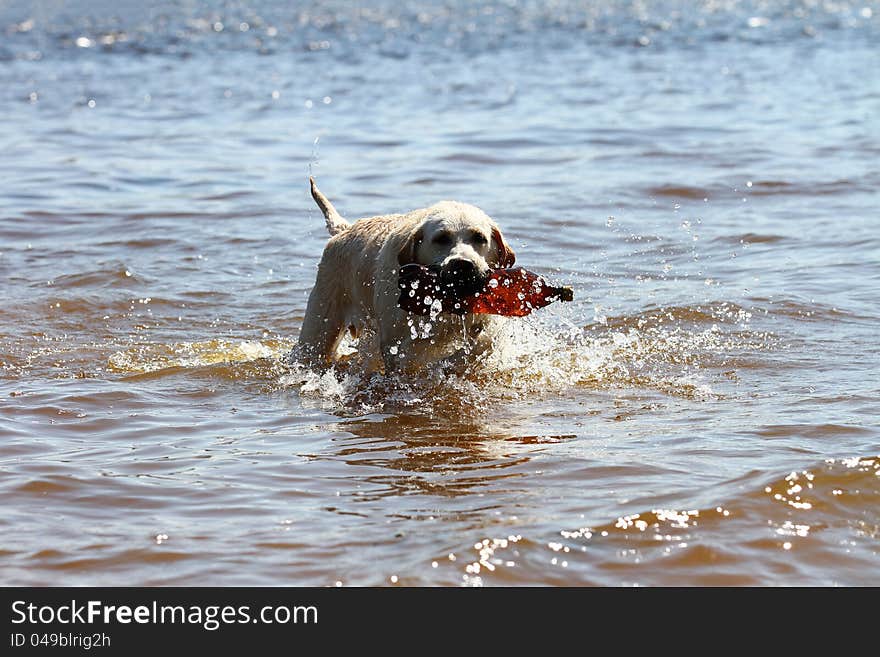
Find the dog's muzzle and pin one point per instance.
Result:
(461, 278)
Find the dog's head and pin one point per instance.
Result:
(461, 242)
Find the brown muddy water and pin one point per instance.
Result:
(704, 175)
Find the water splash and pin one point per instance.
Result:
(684, 352)
(149, 358)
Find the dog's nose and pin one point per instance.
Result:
(461, 278)
(459, 269)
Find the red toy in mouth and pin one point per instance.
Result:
(513, 292)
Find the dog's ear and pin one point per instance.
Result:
(506, 256)
(410, 248)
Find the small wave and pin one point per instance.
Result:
(482, 158)
(114, 274)
(145, 359)
(817, 188)
(226, 196)
(48, 486)
(753, 187)
(698, 314)
(787, 529)
(65, 562)
(680, 191)
(752, 238)
(141, 243)
(811, 311)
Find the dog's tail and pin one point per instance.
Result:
(335, 223)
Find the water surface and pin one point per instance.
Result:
(703, 174)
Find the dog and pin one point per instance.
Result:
(356, 288)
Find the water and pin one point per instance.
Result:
(703, 174)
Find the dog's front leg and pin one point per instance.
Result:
(396, 344)
(480, 336)
(464, 358)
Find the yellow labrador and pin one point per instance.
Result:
(356, 287)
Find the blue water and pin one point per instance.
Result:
(703, 174)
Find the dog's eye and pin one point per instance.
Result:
(479, 238)
(442, 238)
